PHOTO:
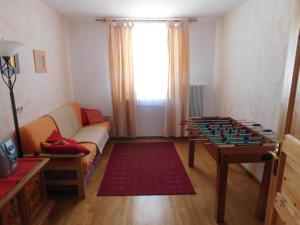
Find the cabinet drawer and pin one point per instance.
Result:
(34, 196)
(11, 213)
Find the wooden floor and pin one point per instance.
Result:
(164, 210)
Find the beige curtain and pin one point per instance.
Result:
(177, 102)
(121, 77)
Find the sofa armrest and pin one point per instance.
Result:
(73, 164)
(54, 156)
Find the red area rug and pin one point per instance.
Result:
(152, 168)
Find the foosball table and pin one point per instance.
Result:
(230, 141)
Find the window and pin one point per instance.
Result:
(151, 61)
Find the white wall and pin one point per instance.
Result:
(89, 62)
(38, 27)
(202, 57)
(251, 51)
(150, 119)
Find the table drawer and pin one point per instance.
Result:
(12, 213)
(34, 196)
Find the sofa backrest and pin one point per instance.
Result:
(36, 132)
(77, 110)
(68, 119)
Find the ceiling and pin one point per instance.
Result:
(143, 8)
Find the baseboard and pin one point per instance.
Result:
(148, 137)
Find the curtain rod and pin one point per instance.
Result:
(106, 19)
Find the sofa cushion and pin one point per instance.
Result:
(36, 132)
(94, 117)
(67, 121)
(84, 118)
(96, 134)
(105, 124)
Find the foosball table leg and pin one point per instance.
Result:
(221, 189)
(264, 191)
(191, 153)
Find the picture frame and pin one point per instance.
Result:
(40, 61)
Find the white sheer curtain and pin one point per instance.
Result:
(151, 65)
(150, 62)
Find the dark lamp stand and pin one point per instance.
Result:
(9, 77)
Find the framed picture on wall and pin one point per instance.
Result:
(40, 61)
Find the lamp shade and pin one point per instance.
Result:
(9, 48)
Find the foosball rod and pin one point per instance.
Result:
(231, 138)
(212, 123)
(221, 142)
(212, 120)
(242, 143)
(227, 129)
(216, 137)
(226, 133)
(262, 130)
(208, 118)
(216, 125)
(225, 125)
(218, 132)
(236, 139)
(253, 125)
(245, 121)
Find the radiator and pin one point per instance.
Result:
(196, 99)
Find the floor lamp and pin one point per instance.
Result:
(8, 49)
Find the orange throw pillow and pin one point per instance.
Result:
(94, 117)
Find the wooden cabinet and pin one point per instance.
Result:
(27, 202)
(34, 197)
(11, 213)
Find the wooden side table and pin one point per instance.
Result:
(25, 202)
